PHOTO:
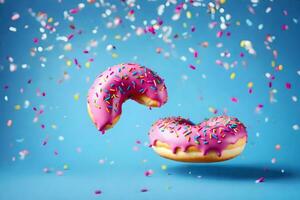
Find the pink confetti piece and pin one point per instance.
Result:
(288, 85)
(260, 180)
(219, 34)
(192, 67)
(284, 27)
(195, 54)
(9, 123)
(234, 99)
(35, 40)
(15, 16)
(151, 29)
(148, 172)
(98, 192)
(70, 36)
(74, 10)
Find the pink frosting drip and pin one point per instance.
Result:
(119, 83)
(214, 134)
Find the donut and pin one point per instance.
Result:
(216, 139)
(119, 83)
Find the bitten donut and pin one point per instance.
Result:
(119, 83)
(216, 139)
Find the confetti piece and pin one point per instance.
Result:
(247, 45)
(296, 127)
(17, 107)
(288, 85)
(148, 172)
(59, 173)
(232, 76)
(260, 180)
(13, 29)
(234, 100)
(66, 167)
(97, 192)
(277, 147)
(9, 123)
(164, 167)
(15, 16)
(76, 96)
(144, 190)
(192, 67)
(61, 138)
(46, 170)
(23, 154)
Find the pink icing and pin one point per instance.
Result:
(119, 83)
(214, 134)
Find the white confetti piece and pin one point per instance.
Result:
(13, 29)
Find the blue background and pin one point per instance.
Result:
(121, 173)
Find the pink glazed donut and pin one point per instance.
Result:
(119, 83)
(216, 139)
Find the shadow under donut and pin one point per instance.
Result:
(234, 172)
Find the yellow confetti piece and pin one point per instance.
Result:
(114, 55)
(222, 1)
(232, 75)
(87, 64)
(69, 63)
(76, 96)
(163, 167)
(188, 15)
(280, 67)
(17, 107)
(273, 63)
(50, 20)
(118, 37)
(250, 84)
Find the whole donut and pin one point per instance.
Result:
(216, 139)
(119, 83)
